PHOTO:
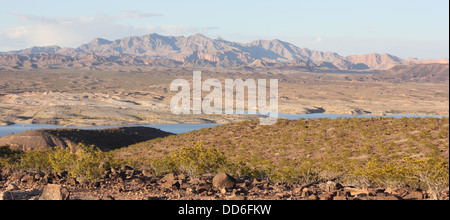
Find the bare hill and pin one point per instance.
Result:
(106, 140)
(436, 73)
(317, 141)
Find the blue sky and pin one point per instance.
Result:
(417, 28)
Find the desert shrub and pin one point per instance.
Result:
(61, 159)
(384, 173)
(284, 174)
(198, 160)
(36, 160)
(431, 174)
(84, 163)
(8, 156)
(87, 162)
(163, 166)
(244, 168)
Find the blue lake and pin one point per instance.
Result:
(184, 128)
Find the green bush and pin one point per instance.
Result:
(61, 159)
(195, 161)
(430, 173)
(8, 156)
(83, 164)
(87, 163)
(36, 160)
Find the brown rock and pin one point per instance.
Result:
(237, 198)
(147, 173)
(168, 178)
(5, 196)
(239, 191)
(306, 192)
(313, 197)
(171, 185)
(359, 192)
(414, 196)
(54, 192)
(12, 187)
(243, 185)
(170, 181)
(340, 198)
(191, 191)
(297, 190)
(223, 191)
(386, 198)
(17, 177)
(333, 186)
(224, 180)
(71, 181)
(197, 182)
(327, 196)
(29, 178)
(182, 178)
(108, 198)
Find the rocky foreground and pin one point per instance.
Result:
(128, 184)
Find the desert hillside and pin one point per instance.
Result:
(105, 140)
(343, 159)
(437, 73)
(315, 142)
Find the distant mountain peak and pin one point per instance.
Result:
(201, 50)
(100, 41)
(198, 35)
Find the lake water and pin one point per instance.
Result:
(184, 128)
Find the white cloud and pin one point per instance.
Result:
(139, 14)
(74, 31)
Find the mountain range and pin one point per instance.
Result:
(198, 51)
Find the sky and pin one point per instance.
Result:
(405, 28)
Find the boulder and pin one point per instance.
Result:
(54, 192)
(224, 181)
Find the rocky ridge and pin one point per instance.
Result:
(196, 51)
